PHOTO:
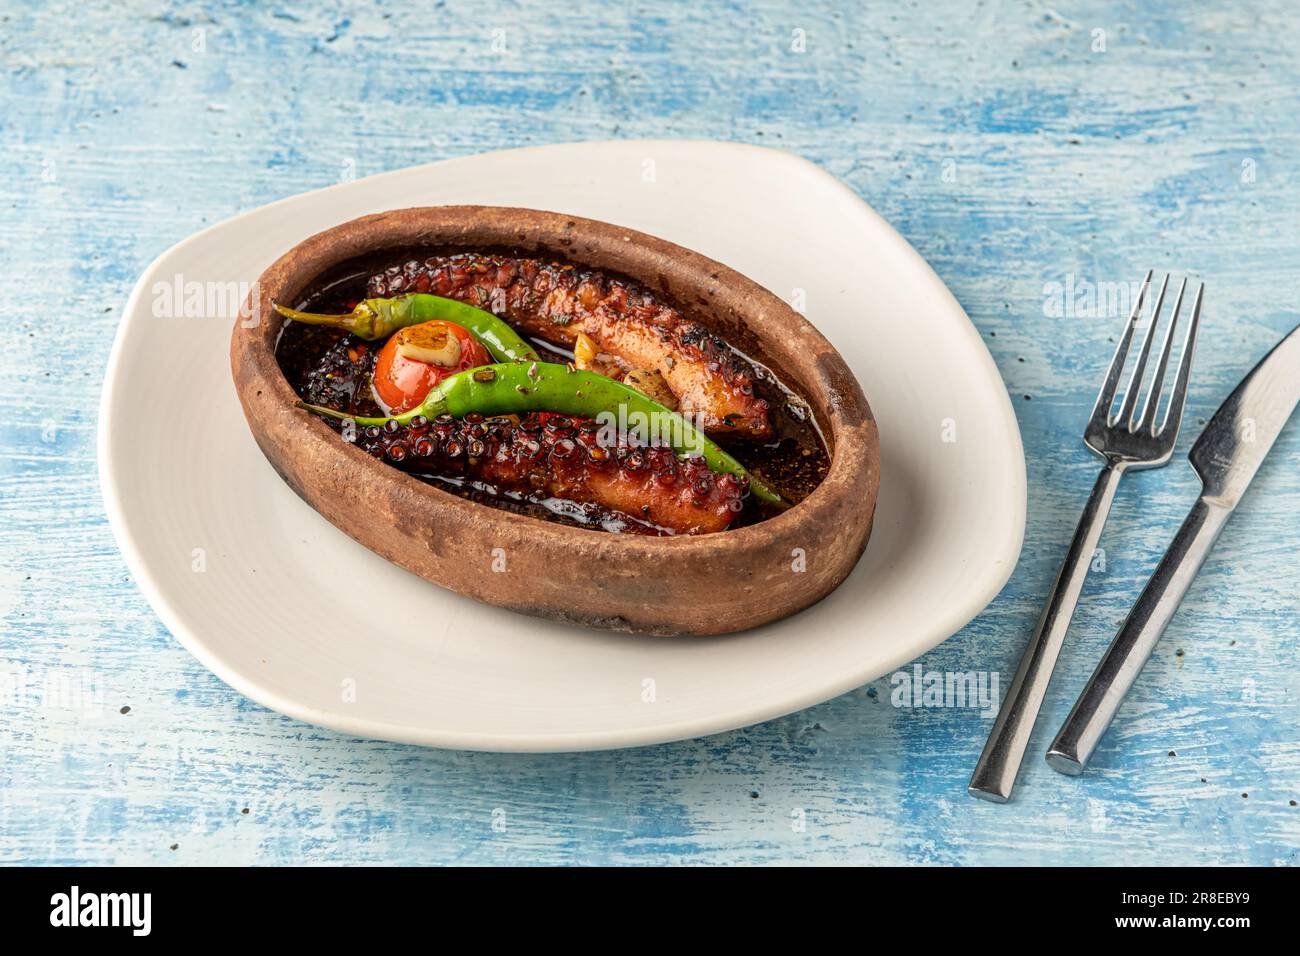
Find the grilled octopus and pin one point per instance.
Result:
(556, 302)
(555, 456)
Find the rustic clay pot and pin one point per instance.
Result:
(707, 584)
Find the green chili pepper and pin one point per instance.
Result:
(378, 318)
(518, 388)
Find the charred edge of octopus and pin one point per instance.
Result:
(560, 457)
(558, 292)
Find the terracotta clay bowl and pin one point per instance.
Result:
(705, 584)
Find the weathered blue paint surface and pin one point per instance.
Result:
(1012, 143)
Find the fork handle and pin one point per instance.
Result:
(995, 774)
(1132, 646)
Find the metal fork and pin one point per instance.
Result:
(1129, 440)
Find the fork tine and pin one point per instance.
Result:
(1174, 414)
(1106, 397)
(1134, 390)
(1152, 404)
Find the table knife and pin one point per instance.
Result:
(1225, 457)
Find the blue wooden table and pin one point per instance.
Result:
(1021, 147)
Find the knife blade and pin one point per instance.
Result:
(1243, 430)
(1225, 457)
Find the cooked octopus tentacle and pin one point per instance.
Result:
(559, 457)
(555, 302)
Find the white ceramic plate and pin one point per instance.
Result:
(292, 613)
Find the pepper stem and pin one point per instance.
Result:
(361, 321)
(434, 404)
(359, 419)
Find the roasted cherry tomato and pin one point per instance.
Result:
(418, 357)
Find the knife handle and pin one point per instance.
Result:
(1132, 646)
